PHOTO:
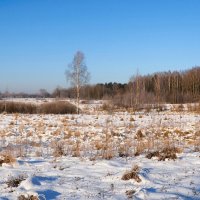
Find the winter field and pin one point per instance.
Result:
(101, 154)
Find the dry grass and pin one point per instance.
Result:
(132, 119)
(76, 149)
(139, 135)
(15, 181)
(166, 153)
(57, 107)
(130, 193)
(17, 107)
(6, 157)
(58, 148)
(132, 174)
(102, 141)
(27, 197)
(107, 107)
(194, 107)
(108, 154)
(141, 147)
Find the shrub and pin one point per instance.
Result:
(57, 107)
(17, 107)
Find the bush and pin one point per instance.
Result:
(57, 107)
(17, 107)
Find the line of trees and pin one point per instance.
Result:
(170, 87)
(91, 92)
(162, 87)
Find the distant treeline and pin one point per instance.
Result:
(161, 87)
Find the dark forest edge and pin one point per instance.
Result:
(162, 87)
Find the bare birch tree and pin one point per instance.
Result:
(77, 74)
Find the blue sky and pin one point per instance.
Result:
(38, 39)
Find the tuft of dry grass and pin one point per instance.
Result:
(139, 135)
(166, 153)
(58, 148)
(107, 107)
(132, 174)
(27, 197)
(108, 154)
(15, 181)
(132, 119)
(76, 149)
(6, 157)
(140, 147)
(130, 193)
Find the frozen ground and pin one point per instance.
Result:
(89, 165)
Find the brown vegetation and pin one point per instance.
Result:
(29, 197)
(57, 107)
(17, 107)
(58, 148)
(166, 153)
(15, 181)
(6, 157)
(130, 193)
(132, 174)
(170, 87)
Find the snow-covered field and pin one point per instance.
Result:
(85, 156)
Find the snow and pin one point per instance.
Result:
(75, 178)
(32, 139)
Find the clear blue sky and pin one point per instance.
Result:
(38, 39)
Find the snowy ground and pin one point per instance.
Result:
(90, 166)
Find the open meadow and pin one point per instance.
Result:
(102, 153)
